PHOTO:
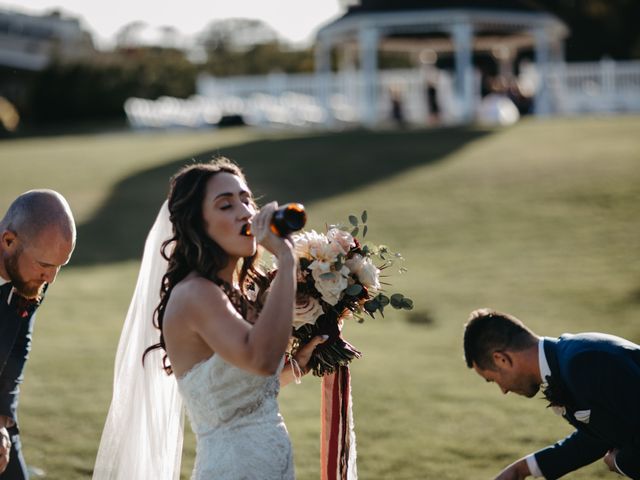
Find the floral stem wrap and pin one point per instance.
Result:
(332, 353)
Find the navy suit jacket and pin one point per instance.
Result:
(16, 327)
(600, 377)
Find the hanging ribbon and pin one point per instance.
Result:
(338, 438)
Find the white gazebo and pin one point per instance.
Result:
(500, 27)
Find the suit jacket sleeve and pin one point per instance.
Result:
(575, 451)
(628, 461)
(12, 374)
(617, 397)
(609, 383)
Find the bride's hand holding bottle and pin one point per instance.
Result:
(280, 247)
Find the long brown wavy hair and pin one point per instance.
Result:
(193, 249)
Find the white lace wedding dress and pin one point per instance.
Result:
(240, 433)
(235, 415)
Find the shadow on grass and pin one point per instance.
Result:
(301, 169)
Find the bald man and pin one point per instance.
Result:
(37, 237)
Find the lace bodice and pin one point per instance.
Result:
(216, 393)
(234, 414)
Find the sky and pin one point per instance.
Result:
(295, 20)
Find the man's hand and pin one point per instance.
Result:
(6, 422)
(5, 448)
(516, 471)
(610, 460)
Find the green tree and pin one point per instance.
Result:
(97, 90)
(599, 28)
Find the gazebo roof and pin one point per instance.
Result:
(399, 5)
(410, 24)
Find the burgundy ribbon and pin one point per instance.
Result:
(337, 442)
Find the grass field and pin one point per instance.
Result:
(541, 220)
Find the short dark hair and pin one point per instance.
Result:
(489, 331)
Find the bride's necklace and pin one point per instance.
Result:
(237, 299)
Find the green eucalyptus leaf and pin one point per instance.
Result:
(396, 300)
(353, 220)
(353, 290)
(382, 299)
(371, 306)
(364, 231)
(364, 217)
(407, 304)
(327, 276)
(354, 232)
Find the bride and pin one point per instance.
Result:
(221, 345)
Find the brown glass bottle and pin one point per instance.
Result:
(287, 219)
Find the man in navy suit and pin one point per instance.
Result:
(591, 379)
(37, 237)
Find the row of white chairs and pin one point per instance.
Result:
(260, 109)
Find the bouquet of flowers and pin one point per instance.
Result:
(338, 279)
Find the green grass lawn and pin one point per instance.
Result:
(540, 220)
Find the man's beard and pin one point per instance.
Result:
(28, 289)
(532, 389)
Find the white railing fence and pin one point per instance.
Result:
(604, 87)
(336, 98)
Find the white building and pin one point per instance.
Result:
(31, 42)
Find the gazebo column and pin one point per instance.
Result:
(368, 42)
(348, 58)
(504, 56)
(462, 40)
(542, 103)
(323, 77)
(349, 75)
(557, 51)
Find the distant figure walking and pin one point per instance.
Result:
(431, 93)
(397, 108)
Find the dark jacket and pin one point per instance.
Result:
(598, 379)
(16, 327)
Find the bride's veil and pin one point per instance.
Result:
(143, 433)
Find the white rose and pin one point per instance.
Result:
(342, 239)
(363, 268)
(304, 243)
(329, 283)
(306, 311)
(315, 246)
(325, 252)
